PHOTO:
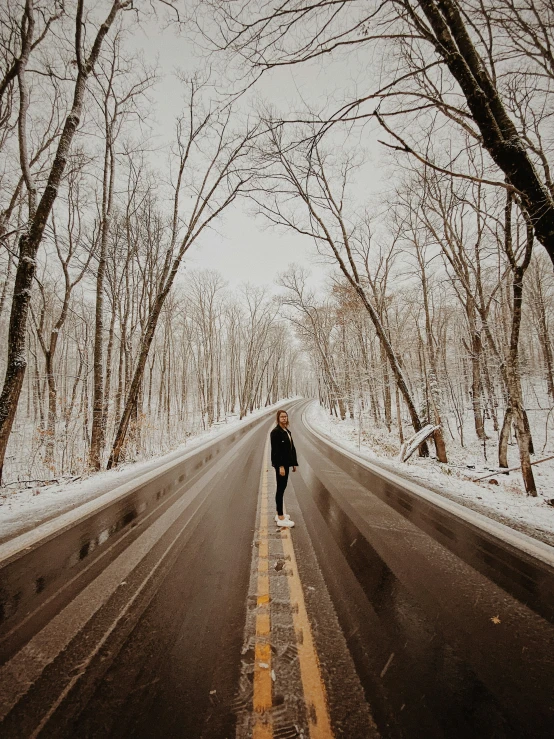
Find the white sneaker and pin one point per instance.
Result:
(277, 519)
(285, 522)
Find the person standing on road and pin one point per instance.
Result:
(283, 457)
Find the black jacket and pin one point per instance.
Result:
(283, 452)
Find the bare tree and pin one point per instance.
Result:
(39, 213)
(211, 165)
(306, 172)
(439, 60)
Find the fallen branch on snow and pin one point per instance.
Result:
(503, 470)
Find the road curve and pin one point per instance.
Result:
(178, 609)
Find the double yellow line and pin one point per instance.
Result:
(313, 687)
(262, 700)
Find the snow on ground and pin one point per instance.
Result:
(505, 502)
(23, 509)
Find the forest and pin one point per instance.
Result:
(437, 303)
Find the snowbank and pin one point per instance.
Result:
(505, 502)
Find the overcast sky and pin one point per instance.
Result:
(243, 249)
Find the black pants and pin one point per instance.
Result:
(281, 485)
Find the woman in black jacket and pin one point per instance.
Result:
(283, 457)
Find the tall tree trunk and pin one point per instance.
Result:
(399, 417)
(544, 339)
(387, 400)
(528, 431)
(493, 402)
(475, 355)
(513, 376)
(98, 431)
(432, 384)
(109, 363)
(372, 389)
(476, 386)
(51, 415)
(120, 373)
(504, 436)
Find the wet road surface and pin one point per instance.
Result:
(200, 618)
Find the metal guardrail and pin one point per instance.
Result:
(40, 574)
(522, 566)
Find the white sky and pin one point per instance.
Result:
(244, 249)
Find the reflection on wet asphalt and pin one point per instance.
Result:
(430, 682)
(437, 678)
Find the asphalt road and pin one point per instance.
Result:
(374, 623)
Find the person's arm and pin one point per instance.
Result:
(294, 457)
(277, 454)
(276, 450)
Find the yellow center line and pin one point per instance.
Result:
(317, 711)
(315, 695)
(262, 700)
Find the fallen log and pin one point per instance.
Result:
(409, 446)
